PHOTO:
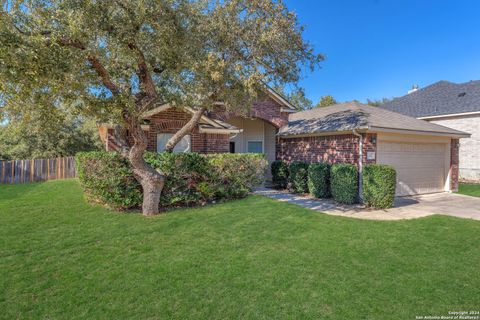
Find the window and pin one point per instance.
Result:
(182, 146)
(255, 146)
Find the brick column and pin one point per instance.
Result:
(454, 151)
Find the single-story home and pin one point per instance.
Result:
(453, 105)
(424, 154)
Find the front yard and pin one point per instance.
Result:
(249, 259)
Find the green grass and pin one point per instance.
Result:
(469, 189)
(254, 258)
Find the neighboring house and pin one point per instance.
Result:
(452, 105)
(425, 155)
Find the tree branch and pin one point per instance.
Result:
(187, 128)
(143, 73)
(95, 62)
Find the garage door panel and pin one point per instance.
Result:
(420, 166)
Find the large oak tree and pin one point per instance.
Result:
(113, 60)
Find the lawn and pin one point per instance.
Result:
(254, 258)
(469, 189)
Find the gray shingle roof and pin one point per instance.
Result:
(353, 115)
(440, 98)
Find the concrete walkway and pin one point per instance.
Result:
(449, 204)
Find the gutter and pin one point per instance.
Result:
(360, 164)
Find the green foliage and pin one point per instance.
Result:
(379, 102)
(107, 178)
(191, 178)
(279, 174)
(298, 177)
(235, 174)
(45, 132)
(344, 183)
(319, 180)
(379, 182)
(326, 101)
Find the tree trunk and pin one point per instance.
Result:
(152, 181)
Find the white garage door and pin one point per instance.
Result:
(420, 166)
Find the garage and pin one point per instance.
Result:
(422, 167)
(424, 155)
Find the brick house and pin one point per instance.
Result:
(425, 155)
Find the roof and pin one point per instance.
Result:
(440, 98)
(356, 116)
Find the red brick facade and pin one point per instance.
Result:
(331, 149)
(170, 121)
(454, 161)
(265, 108)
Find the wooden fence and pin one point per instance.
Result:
(24, 171)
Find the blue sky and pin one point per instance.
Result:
(380, 48)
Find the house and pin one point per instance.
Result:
(424, 154)
(453, 105)
(218, 131)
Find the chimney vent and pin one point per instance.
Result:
(414, 88)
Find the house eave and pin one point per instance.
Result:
(418, 132)
(219, 131)
(319, 134)
(451, 115)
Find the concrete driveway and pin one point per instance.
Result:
(450, 204)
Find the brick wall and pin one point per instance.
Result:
(454, 161)
(264, 108)
(170, 121)
(331, 149)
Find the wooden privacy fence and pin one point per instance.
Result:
(24, 171)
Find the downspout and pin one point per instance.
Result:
(360, 164)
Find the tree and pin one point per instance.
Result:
(45, 132)
(326, 101)
(116, 59)
(296, 97)
(379, 102)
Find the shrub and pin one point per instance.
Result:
(279, 174)
(235, 174)
(184, 172)
(107, 178)
(191, 178)
(379, 182)
(297, 177)
(344, 183)
(319, 180)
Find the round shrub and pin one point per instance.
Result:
(379, 182)
(319, 180)
(297, 177)
(344, 183)
(279, 174)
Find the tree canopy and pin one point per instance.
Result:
(326, 101)
(115, 59)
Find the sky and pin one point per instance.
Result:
(380, 48)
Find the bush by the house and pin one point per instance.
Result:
(297, 177)
(191, 178)
(379, 183)
(107, 178)
(279, 174)
(234, 175)
(344, 183)
(319, 180)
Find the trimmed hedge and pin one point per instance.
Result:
(344, 183)
(379, 182)
(191, 178)
(297, 177)
(319, 180)
(279, 174)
